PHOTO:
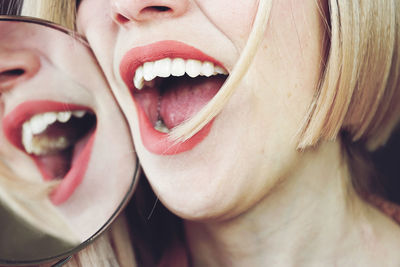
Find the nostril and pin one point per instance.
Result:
(9, 75)
(158, 8)
(121, 19)
(17, 66)
(156, 11)
(149, 11)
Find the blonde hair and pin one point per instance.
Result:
(59, 12)
(358, 90)
(111, 249)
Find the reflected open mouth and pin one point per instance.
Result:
(58, 137)
(170, 82)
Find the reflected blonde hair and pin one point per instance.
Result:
(359, 87)
(29, 200)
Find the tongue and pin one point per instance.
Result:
(184, 97)
(54, 166)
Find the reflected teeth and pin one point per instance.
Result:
(175, 67)
(38, 124)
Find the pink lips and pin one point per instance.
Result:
(153, 140)
(12, 127)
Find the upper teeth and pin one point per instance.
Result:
(38, 124)
(175, 67)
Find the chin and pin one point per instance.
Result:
(192, 188)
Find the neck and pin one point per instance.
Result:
(309, 217)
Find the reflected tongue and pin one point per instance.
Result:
(58, 164)
(54, 166)
(183, 97)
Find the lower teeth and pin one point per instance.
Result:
(44, 145)
(160, 126)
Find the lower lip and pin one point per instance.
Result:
(159, 143)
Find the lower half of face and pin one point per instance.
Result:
(250, 148)
(89, 154)
(251, 145)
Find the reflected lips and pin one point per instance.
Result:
(155, 141)
(12, 127)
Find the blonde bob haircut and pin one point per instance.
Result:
(358, 90)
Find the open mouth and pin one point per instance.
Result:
(54, 137)
(172, 90)
(170, 87)
(58, 137)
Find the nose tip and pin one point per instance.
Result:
(16, 67)
(125, 11)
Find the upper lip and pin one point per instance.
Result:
(12, 123)
(164, 49)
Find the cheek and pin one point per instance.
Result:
(88, 12)
(94, 20)
(95, 23)
(291, 63)
(284, 76)
(234, 18)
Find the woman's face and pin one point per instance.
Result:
(251, 145)
(59, 121)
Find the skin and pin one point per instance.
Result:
(51, 73)
(248, 195)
